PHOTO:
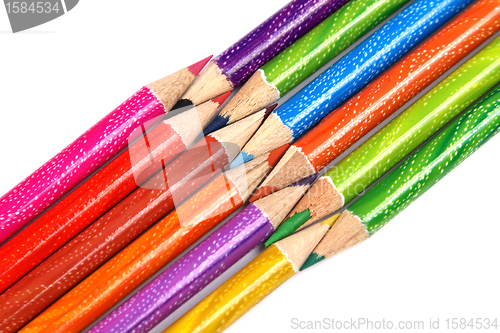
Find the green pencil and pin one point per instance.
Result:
(304, 57)
(412, 178)
(396, 140)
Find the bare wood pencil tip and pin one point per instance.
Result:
(254, 95)
(346, 232)
(297, 247)
(321, 200)
(198, 66)
(292, 167)
(277, 205)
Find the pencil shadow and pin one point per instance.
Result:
(5, 32)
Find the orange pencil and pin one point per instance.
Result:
(99, 242)
(154, 249)
(385, 95)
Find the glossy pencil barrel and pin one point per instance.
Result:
(412, 178)
(190, 274)
(304, 57)
(203, 264)
(365, 62)
(138, 261)
(398, 138)
(244, 57)
(238, 295)
(151, 251)
(400, 83)
(90, 151)
(108, 235)
(353, 71)
(88, 202)
(348, 123)
(401, 136)
(429, 164)
(312, 51)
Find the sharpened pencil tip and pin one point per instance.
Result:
(182, 103)
(289, 226)
(261, 192)
(312, 260)
(216, 124)
(270, 109)
(274, 156)
(264, 191)
(242, 158)
(221, 99)
(197, 67)
(306, 181)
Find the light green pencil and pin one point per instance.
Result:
(304, 57)
(412, 178)
(396, 140)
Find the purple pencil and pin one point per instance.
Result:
(204, 263)
(242, 59)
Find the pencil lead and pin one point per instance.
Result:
(275, 155)
(265, 190)
(312, 260)
(270, 109)
(289, 226)
(240, 159)
(221, 121)
(221, 99)
(182, 103)
(198, 66)
(216, 124)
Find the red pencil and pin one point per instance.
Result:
(102, 191)
(381, 98)
(155, 248)
(86, 252)
(90, 151)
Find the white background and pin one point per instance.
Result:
(437, 259)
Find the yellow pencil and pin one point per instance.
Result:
(252, 283)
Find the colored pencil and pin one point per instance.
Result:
(102, 191)
(348, 75)
(382, 97)
(90, 151)
(344, 78)
(242, 59)
(154, 249)
(401, 136)
(252, 283)
(414, 177)
(304, 57)
(122, 224)
(203, 264)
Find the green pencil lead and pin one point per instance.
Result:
(289, 226)
(312, 260)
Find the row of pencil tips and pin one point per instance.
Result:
(150, 183)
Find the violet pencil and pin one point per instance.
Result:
(242, 59)
(204, 263)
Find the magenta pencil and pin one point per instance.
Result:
(91, 150)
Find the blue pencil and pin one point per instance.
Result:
(350, 74)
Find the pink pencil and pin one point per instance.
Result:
(91, 150)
